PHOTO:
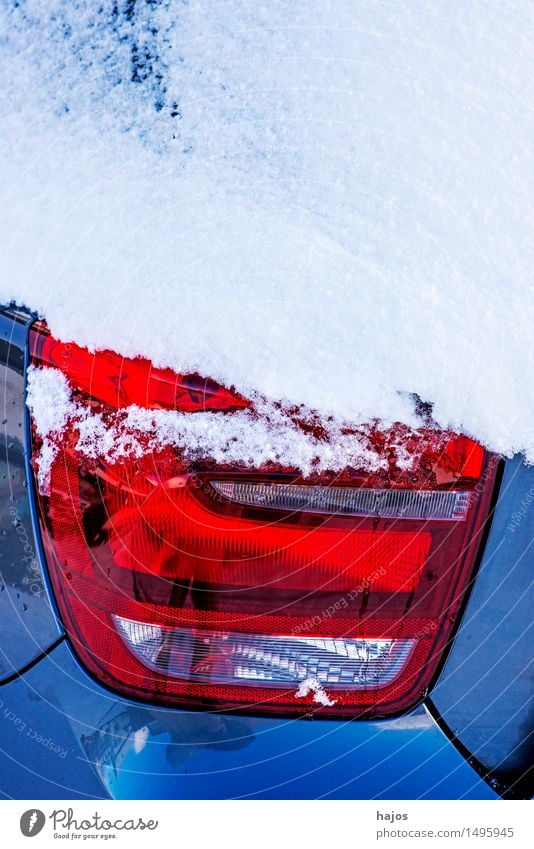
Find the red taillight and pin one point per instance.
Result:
(236, 588)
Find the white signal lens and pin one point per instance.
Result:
(450, 506)
(284, 661)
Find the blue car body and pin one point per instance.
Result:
(64, 736)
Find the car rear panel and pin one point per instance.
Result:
(126, 750)
(28, 626)
(63, 734)
(484, 696)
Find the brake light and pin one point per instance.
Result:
(224, 586)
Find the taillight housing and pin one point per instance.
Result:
(190, 582)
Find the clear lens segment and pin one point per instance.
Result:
(284, 661)
(451, 506)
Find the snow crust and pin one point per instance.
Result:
(313, 685)
(248, 437)
(327, 203)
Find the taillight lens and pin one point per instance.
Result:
(188, 582)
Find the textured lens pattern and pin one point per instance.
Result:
(217, 656)
(348, 501)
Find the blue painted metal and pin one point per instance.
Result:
(128, 750)
(27, 625)
(485, 694)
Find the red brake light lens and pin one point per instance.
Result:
(235, 588)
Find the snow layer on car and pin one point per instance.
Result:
(256, 436)
(251, 436)
(327, 203)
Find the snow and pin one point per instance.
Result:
(249, 437)
(52, 408)
(326, 203)
(313, 685)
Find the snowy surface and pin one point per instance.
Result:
(313, 685)
(328, 203)
(251, 437)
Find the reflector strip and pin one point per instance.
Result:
(219, 657)
(348, 501)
